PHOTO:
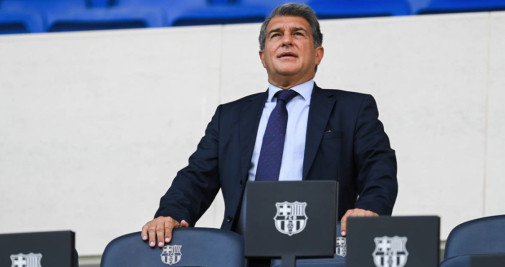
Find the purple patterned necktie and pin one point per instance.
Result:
(269, 163)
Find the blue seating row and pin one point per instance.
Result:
(455, 6)
(26, 16)
(479, 238)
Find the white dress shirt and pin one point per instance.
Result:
(296, 131)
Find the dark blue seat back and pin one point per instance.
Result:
(476, 237)
(199, 247)
(480, 236)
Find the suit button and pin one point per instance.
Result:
(229, 219)
(241, 182)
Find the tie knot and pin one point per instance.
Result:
(286, 95)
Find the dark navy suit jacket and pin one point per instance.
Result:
(345, 142)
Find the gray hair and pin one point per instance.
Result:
(297, 10)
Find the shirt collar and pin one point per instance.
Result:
(304, 90)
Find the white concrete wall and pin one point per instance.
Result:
(94, 126)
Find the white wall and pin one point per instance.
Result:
(93, 126)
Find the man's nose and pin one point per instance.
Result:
(287, 39)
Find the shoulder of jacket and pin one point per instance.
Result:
(244, 99)
(344, 94)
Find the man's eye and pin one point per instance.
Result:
(299, 33)
(275, 35)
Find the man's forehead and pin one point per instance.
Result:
(283, 22)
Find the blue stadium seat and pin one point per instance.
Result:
(483, 236)
(101, 14)
(270, 5)
(189, 247)
(455, 6)
(160, 8)
(78, 15)
(202, 12)
(221, 2)
(104, 19)
(326, 9)
(100, 3)
(20, 21)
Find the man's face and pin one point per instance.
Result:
(289, 55)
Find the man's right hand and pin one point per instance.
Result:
(161, 228)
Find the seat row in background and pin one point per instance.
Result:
(33, 16)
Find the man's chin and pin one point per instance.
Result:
(288, 71)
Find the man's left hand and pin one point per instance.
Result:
(354, 213)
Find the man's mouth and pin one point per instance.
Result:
(287, 55)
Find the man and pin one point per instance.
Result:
(329, 134)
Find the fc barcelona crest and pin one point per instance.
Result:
(171, 254)
(26, 260)
(341, 248)
(290, 218)
(390, 251)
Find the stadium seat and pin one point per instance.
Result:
(326, 9)
(221, 2)
(483, 236)
(105, 19)
(78, 15)
(103, 14)
(161, 8)
(20, 21)
(270, 5)
(456, 6)
(202, 12)
(189, 247)
(100, 3)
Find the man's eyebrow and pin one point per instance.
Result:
(295, 29)
(274, 30)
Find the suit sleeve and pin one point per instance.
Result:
(195, 186)
(375, 162)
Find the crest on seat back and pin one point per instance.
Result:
(290, 218)
(171, 254)
(390, 251)
(26, 260)
(341, 247)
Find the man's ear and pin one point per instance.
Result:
(319, 54)
(261, 54)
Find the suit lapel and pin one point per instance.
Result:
(250, 116)
(321, 105)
